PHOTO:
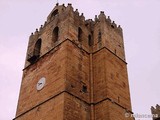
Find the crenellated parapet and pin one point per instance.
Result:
(62, 10)
(102, 19)
(91, 35)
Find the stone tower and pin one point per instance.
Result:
(75, 69)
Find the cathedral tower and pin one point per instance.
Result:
(75, 69)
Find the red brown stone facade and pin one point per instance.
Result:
(83, 63)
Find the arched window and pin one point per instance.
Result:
(35, 54)
(90, 40)
(55, 34)
(54, 13)
(79, 34)
(37, 48)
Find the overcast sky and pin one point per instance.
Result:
(140, 20)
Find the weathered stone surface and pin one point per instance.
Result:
(110, 78)
(50, 110)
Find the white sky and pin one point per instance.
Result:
(140, 20)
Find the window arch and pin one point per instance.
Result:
(79, 34)
(37, 48)
(55, 34)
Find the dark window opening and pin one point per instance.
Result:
(55, 13)
(72, 86)
(112, 26)
(84, 89)
(55, 34)
(33, 56)
(99, 37)
(79, 34)
(90, 40)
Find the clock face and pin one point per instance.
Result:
(41, 83)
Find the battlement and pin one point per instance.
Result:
(62, 10)
(64, 22)
(155, 111)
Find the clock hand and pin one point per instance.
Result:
(39, 84)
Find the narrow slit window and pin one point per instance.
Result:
(115, 51)
(84, 89)
(79, 34)
(89, 40)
